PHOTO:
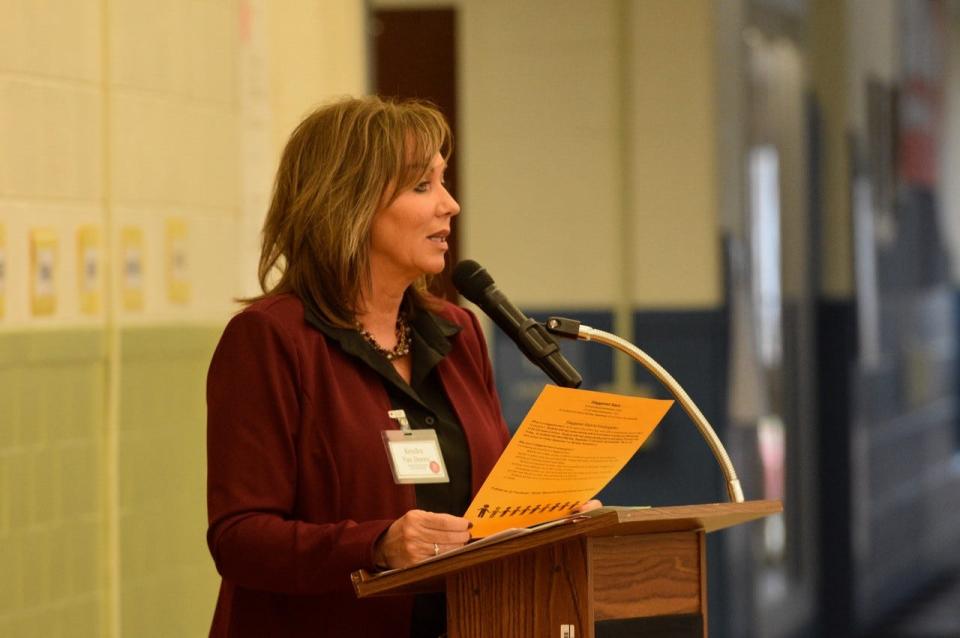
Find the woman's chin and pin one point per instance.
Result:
(434, 268)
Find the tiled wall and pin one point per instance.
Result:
(137, 143)
(168, 582)
(51, 509)
(52, 376)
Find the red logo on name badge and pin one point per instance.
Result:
(434, 467)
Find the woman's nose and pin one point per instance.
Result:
(450, 207)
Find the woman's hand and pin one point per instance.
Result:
(417, 535)
(590, 505)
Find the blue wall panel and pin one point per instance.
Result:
(519, 382)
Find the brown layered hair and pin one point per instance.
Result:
(342, 164)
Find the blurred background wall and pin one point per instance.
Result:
(756, 192)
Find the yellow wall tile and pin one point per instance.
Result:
(213, 240)
(4, 272)
(52, 145)
(212, 49)
(60, 40)
(147, 49)
(169, 151)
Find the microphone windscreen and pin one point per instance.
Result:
(471, 279)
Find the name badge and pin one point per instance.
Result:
(414, 455)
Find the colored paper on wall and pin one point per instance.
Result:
(89, 268)
(178, 276)
(569, 446)
(132, 258)
(43, 271)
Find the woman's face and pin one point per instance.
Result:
(409, 236)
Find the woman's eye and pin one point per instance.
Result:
(422, 187)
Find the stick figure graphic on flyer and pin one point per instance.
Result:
(483, 511)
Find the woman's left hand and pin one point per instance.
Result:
(417, 535)
(590, 505)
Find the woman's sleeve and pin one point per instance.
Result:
(254, 406)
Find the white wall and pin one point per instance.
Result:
(541, 179)
(674, 177)
(587, 146)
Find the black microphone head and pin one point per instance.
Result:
(471, 279)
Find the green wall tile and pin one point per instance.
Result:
(10, 392)
(52, 437)
(11, 557)
(6, 485)
(18, 491)
(52, 390)
(46, 506)
(76, 461)
(82, 558)
(169, 582)
(37, 573)
(83, 616)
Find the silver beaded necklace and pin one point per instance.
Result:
(398, 351)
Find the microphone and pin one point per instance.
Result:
(534, 341)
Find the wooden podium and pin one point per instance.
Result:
(622, 572)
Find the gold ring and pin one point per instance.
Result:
(436, 549)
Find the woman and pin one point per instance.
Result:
(300, 490)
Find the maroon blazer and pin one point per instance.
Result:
(299, 487)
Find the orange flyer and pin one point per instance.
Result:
(569, 446)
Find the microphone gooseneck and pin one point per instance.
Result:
(476, 284)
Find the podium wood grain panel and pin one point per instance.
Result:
(525, 596)
(613, 567)
(653, 575)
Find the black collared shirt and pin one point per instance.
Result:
(423, 400)
(426, 405)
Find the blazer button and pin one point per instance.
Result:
(429, 420)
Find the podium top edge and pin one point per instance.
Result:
(608, 521)
(709, 517)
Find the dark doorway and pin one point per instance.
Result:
(415, 56)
